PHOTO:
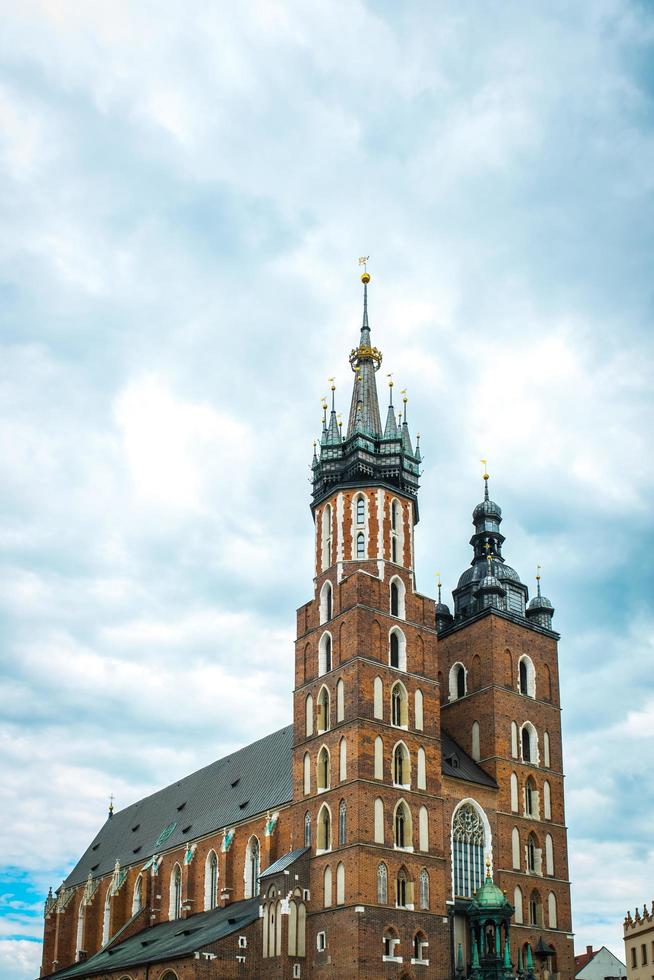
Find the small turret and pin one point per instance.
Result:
(444, 617)
(540, 610)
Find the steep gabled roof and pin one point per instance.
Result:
(168, 940)
(252, 780)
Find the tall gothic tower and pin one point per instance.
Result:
(427, 749)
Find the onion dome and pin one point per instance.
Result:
(540, 610)
(490, 896)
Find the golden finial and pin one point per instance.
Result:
(404, 395)
(538, 573)
(365, 276)
(485, 462)
(332, 383)
(390, 377)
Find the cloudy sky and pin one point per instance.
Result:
(184, 192)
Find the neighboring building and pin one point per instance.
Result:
(410, 822)
(639, 944)
(599, 964)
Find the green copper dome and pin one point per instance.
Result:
(490, 896)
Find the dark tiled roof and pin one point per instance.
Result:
(284, 862)
(253, 780)
(169, 940)
(249, 781)
(457, 763)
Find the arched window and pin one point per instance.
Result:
(403, 826)
(137, 895)
(423, 829)
(342, 759)
(398, 597)
(325, 654)
(533, 855)
(527, 677)
(514, 793)
(548, 683)
(397, 649)
(379, 758)
(399, 706)
(419, 712)
(529, 743)
(421, 774)
(468, 848)
(379, 821)
(551, 910)
(326, 536)
(307, 774)
(390, 941)
(106, 917)
(361, 545)
(514, 740)
(547, 801)
(515, 848)
(327, 887)
(326, 602)
(549, 855)
(535, 910)
(340, 700)
(252, 864)
(424, 889)
(301, 929)
(420, 947)
(175, 899)
(323, 770)
(340, 884)
(546, 750)
(211, 881)
(378, 698)
(402, 889)
(342, 823)
(361, 510)
(307, 829)
(308, 716)
(517, 903)
(382, 884)
(394, 548)
(476, 748)
(401, 765)
(324, 710)
(324, 841)
(457, 682)
(292, 928)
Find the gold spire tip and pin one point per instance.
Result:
(365, 276)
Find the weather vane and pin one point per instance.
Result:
(362, 261)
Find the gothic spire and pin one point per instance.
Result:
(365, 361)
(390, 430)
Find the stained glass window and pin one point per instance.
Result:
(467, 851)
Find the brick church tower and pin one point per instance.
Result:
(398, 705)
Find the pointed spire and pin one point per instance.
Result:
(486, 479)
(418, 454)
(333, 436)
(406, 438)
(538, 580)
(390, 429)
(365, 360)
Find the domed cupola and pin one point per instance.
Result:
(487, 541)
(540, 610)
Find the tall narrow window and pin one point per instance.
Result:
(549, 855)
(547, 801)
(401, 889)
(468, 840)
(326, 602)
(476, 748)
(424, 889)
(361, 510)
(546, 750)
(308, 716)
(530, 797)
(106, 918)
(324, 841)
(327, 536)
(401, 765)
(395, 650)
(340, 700)
(394, 549)
(327, 887)
(342, 759)
(211, 881)
(532, 848)
(361, 545)
(379, 821)
(523, 677)
(79, 941)
(323, 769)
(307, 774)
(175, 904)
(340, 884)
(457, 682)
(517, 903)
(342, 823)
(307, 829)
(137, 898)
(399, 706)
(324, 710)
(403, 826)
(526, 745)
(252, 859)
(382, 884)
(395, 600)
